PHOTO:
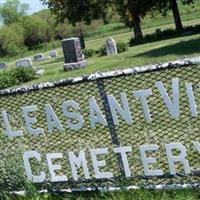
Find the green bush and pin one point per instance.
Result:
(11, 40)
(23, 74)
(6, 80)
(12, 77)
(88, 52)
(122, 47)
(102, 51)
(36, 32)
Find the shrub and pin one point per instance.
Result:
(6, 80)
(88, 52)
(102, 51)
(122, 47)
(12, 77)
(23, 74)
(36, 32)
(11, 40)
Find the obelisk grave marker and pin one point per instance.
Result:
(74, 58)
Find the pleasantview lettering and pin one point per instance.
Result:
(96, 115)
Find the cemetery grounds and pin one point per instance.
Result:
(165, 50)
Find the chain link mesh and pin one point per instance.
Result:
(161, 131)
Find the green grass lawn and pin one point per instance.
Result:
(155, 52)
(130, 195)
(149, 53)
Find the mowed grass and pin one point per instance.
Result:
(161, 51)
(126, 195)
(155, 52)
(149, 53)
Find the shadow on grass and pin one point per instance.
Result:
(180, 48)
(53, 61)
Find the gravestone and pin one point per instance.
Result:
(26, 62)
(53, 54)
(2, 66)
(39, 57)
(111, 47)
(74, 58)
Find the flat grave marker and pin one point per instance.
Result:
(3, 65)
(26, 62)
(39, 57)
(53, 54)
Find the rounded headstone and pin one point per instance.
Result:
(111, 47)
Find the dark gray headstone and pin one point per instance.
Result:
(39, 57)
(73, 54)
(53, 54)
(2, 66)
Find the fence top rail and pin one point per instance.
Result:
(100, 75)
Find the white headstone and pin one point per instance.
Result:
(111, 47)
(2, 66)
(39, 57)
(26, 62)
(53, 54)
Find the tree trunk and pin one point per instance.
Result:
(133, 9)
(137, 28)
(81, 38)
(176, 14)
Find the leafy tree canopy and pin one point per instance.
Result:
(12, 11)
(77, 11)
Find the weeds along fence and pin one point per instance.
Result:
(73, 129)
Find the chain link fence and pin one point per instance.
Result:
(161, 131)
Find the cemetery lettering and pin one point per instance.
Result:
(80, 161)
(96, 117)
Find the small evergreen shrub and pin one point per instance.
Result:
(23, 74)
(88, 52)
(12, 77)
(122, 47)
(102, 51)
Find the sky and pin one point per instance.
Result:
(34, 5)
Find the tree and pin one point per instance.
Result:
(12, 11)
(77, 11)
(11, 40)
(36, 31)
(131, 12)
(165, 5)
